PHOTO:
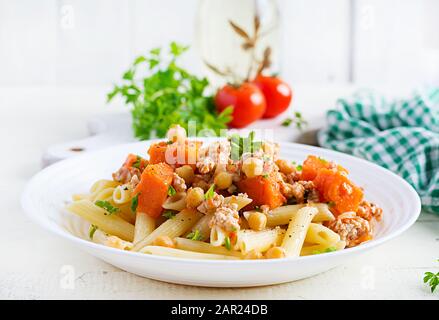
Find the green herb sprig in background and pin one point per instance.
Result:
(161, 94)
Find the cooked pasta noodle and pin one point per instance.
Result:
(111, 224)
(172, 228)
(121, 194)
(297, 229)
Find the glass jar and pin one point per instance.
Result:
(237, 38)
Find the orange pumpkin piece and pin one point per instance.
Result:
(335, 187)
(262, 190)
(313, 164)
(152, 189)
(175, 154)
(135, 161)
(157, 152)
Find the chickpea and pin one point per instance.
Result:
(187, 173)
(194, 197)
(164, 241)
(253, 167)
(285, 167)
(275, 253)
(223, 180)
(257, 220)
(253, 255)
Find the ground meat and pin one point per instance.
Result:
(124, 175)
(205, 165)
(368, 211)
(178, 183)
(133, 182)
(293, 177)
(211, 204)
(351, 228)
(301, 191)
(226, 217)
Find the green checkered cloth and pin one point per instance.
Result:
(400, 135)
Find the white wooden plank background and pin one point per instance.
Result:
(84, 43)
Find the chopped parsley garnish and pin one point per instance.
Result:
(299, 167)
(135, 202)
(227, 243)
(297, 119)
(327, 250)
(240, 145)
(195, 235)
(92, 231)
(265, 175)
(138, 162)
(107, 206)
(210, 193)
(171, 191)
(169, 214)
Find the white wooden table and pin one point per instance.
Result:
(33, 262)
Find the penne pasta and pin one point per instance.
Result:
(217, 236)
(143, 227)
(176, 202)
(111, 241)
(204, 247)
(319, 234)
(297, 230)
(178, 253)
(103, 184)
(203, 227)
(282, 215)
(103, 195)
(241, 201)
(172, 228)
(248, 240)
(111, 224)
(321, 248)
(121, 194)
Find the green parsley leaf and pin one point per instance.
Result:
(195, 235)
(299, 167)
(286, 122)
(327, 250)
(297, 119)
(134, 203)
(138, 162)
(171, 191)
(210, 192)
(169, 214)
(432, 279)
(227, 243)
(92, 231)
(107, 206)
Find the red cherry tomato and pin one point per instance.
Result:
(277, 94)
(247, 100)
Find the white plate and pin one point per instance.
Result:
(47, 193)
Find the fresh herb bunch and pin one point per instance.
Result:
(166, 94)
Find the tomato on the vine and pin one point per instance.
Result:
(247, 100)
(277, 94)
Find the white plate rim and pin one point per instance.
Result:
(39, 219)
